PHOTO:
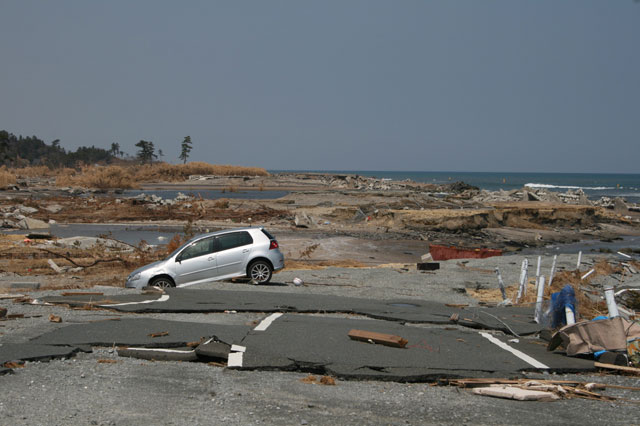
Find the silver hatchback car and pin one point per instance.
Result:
(250, 252)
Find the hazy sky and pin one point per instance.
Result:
(472, 85)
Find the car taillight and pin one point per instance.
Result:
(273, 245)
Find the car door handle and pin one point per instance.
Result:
(211, 258)
(245, 251)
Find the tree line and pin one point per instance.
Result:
(19, 151)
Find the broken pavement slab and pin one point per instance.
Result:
(33, 352)
(159, 354)
(321, 345)
(136, 332)
(518, 320)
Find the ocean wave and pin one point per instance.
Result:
(544, 185)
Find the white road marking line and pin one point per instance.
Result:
(162, 298)
(235, 359)
(265, 323)
(161, 350)
(238, 348)
(526, 358)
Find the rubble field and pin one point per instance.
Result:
(80, 348)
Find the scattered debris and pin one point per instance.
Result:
(632, 370)
(54, 318)
(588, 337)
(160, 334)
(428, 266)
(80, 293)
(324, 380)
(513, 392)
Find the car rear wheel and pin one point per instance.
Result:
(162, 282)
(260, 272)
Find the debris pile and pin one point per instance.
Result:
(594, 311)
(15, 217)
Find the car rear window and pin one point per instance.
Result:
(265, 232)
(234, 239)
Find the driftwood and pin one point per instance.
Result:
(74, 263)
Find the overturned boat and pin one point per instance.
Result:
(439, 252)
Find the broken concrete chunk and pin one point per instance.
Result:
(212, 349)
(512, 392)
(29, 223)
(27, 210)
(53, 208)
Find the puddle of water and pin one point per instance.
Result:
(152, 234)
(589, 246)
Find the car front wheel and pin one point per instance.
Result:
(162, 282)
(260, 272)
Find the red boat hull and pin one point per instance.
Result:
(452, 252)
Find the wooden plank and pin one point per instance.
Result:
(380, 338)
(617, 367)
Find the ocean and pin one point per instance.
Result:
(595, 185)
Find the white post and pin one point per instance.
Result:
(539, 299)
(587, 274)
(553, 269)
(538, 273)
(501, 284)
(522, 291)
(568, 313)
(611, 302)
(579, 260)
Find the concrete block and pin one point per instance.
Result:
(27, 285)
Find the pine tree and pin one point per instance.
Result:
(186, 149)
(147, 151)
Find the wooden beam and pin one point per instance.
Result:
(380, 338)
(617, 367)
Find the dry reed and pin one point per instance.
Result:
(6, 178)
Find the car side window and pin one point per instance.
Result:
(233, 240)
(199, 248)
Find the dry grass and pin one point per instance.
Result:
(221, 203)
(179, 172)
(109, 177)
(6, 178)
(126, 177)
(33, 171)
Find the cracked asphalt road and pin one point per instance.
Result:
(102, 388)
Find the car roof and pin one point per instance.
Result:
(225, 231)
